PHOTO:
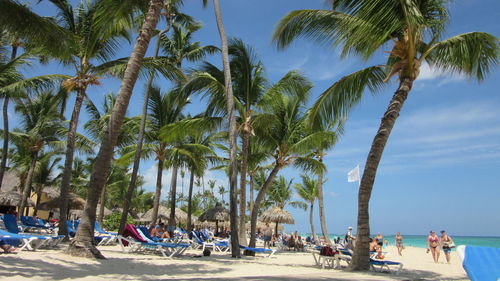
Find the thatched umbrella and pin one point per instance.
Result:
(13, 198)
(216, 214)
(78, 213)
(75, 203)
(277, 215)
(164, 213)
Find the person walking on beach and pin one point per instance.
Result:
(399, 243)
(349, 239)
(446, 243)
(268, 233)
(433, 245)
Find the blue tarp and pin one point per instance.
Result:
(482, 263)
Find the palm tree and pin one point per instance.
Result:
(362, 27)
(45, 174)
(171, 13)
(13, 84)
(233, 165)
(308, 191)
(41, 126)
(83, 245)
(282, 129)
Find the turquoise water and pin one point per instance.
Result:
(420, 241)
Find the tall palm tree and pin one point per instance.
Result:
(45, 174)
(308, 191)
(41, 127)
(171, 13)
(83, 245)
(13, 84)
(282, 129)
(233, 165)
(362, 27)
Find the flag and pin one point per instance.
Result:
(353, 175)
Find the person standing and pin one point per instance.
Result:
(349, 239)
(267, 233)
(433, 245)
(446, 243)
(399, 243)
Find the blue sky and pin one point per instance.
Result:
(440, 168)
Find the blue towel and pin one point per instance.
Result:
(10, 223)
(9, 241)
(482, 263)
(257, 250)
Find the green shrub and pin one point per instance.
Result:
(112, 222)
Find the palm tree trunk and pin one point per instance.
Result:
(255, 210)
(233, 172)
(68, 163)
(5, 111)
(322, 218)
(173, 191)
(243, 186)
(311, 219)
(83, 244)
(140, 138)
(360, 258)
(28, 182)
(190, 201)
(251, 192)
(156, 202)
(102, 200)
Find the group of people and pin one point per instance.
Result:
(293, 241)
(437, 243)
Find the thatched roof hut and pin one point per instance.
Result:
(277, 215)
(78, 213)
(13, 198)
(75, 203)
(216, 214)
(164, 214)
(10, 181)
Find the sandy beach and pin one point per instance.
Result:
(55, 265)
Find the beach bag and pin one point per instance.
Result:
(206, 253)
(326, 251)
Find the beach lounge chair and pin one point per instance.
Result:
(28, 242)
(176, 249)
(480, 263)
(43, 240)
(221, 246)
(382, 265)
(259, 250)
(106, 238)
(136, 243)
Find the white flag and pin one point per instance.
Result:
(353, 175)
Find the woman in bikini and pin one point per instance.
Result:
(433, 244)
(446, 243)
(399, 243)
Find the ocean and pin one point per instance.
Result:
(420, 241)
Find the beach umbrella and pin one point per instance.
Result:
(216, 214)
(164, 213)
(277, 215)
(13, 198)
(75, 203)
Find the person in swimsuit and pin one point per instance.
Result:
(433, 244)
(446, 244)
(399, 243)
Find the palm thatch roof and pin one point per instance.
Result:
(217, 213)
(10, 181)
(78, 213)
(52, 191)
(75, 203)
(164, 214)
(13, 198)
(278, 215)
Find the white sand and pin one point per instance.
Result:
(55, 265)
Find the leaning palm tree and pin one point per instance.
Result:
(282, 128)
(362, 27)
(83, 244)
(308, 191)
(45, 174)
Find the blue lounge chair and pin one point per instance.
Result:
(48, 240)
(259, 250)
(480, 263)
(381, 265)
(175, 249)
(106, 237)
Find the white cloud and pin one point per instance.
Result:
(429, 73)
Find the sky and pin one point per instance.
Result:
(441, 166)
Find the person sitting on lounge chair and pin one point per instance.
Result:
(159, 231)
(299, 244)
